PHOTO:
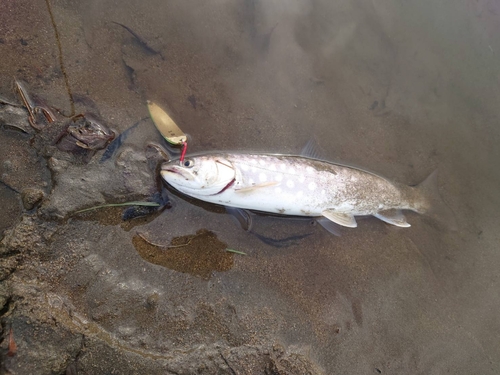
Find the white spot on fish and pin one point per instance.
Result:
(262, 177)
(302, 178)
(244, 167)
(253, 161)
(262, 162)
(309, 169)
(277, 190)
(299, 194)
(278, 177)
(272, 167)
(282, 167)
(251, 181)
(290, 184)
(312, 186)
(291, 170)
(323, 192)
(254, 169)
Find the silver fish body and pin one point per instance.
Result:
(294, 185)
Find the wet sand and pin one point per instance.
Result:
(397, 88)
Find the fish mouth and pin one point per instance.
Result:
(173, 170)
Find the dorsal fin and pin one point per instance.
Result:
(313, 150)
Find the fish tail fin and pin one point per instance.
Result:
(435, 206)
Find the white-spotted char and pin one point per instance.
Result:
(296, 185)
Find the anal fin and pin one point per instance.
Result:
(329, 225)
(394, 217)
(346, 220)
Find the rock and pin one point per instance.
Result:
(15, 117)
(7, 266)
(34, 355)
(7, 165)
(152, 300)
(29, 237)
(78, 186)
(31, 197)
(5, 295)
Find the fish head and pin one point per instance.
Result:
(202, 175)
(90, 133)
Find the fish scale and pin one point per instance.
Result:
(307, 187)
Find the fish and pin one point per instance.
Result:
(118, 141)
(141, 41)
(134, 212)
(300, 186)
(89, 133)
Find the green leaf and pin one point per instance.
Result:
(138, 203)
(236, 251)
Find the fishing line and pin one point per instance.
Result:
(183, 152)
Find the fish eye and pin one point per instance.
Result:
(188, 163)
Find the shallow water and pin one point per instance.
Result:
(398, 88)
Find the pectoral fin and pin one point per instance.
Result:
(81, 144)
(244, 217)
(346, 220)
(251, 189)
(394, 217)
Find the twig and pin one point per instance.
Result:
(168, 246)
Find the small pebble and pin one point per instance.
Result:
(152, 300)
(31, 197)
(7, 165)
